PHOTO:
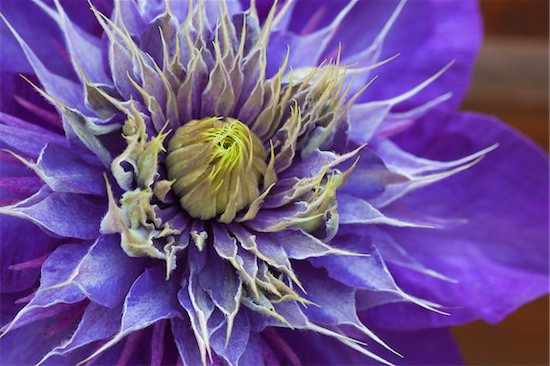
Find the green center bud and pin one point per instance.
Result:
(217, 165)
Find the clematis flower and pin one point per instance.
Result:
(215, 182)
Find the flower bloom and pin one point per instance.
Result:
(225, 183)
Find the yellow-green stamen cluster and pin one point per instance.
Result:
(218, 166)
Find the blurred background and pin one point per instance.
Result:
(511, 81)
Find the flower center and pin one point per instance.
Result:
(218, 165)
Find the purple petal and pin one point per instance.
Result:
(358, 272)
(26, 17)
(65, 171)
(370, 176)
(336, 301)
(15, 189)
(368, 118)
(499, 257)
(85, 49)
(427, 347)
(430, 44)
(157, 342)
(21, 241)
(106, 273)
(83, 16)
(25, 137)
(19, 98)
(424, 347)
(316, 349)
(151, 41)
(129, 11)
(185, 341)
(65, 214)
(195, 300)
(56, 286)
(237, 342)
(213, 10)
(97, 323)
(73, 271)
(225, 294)
(151, 298)
(253, 354)
(61, 88)
(306, 49)
(354, 210)
(259, 243)
(27, 345)
(393, 253)
(299, 245)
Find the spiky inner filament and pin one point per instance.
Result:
(218, 165)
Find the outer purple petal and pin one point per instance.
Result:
(17, 181)
(499, 257)
(59, 87)
(65, 214)
(427, 347)
(56, 286)
(424, 347)
(19, 98)
(84, 17)
(21, 241)
(370, 176)
(85, 50)
(429, 45)
(48, 43)
(315, 349)
(150, 299)
(24, 137)
(449, 30)
(103, 273)
(97, 323)
(27, 345)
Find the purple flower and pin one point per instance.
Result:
(222, 183)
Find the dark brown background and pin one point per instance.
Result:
(511, 82)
